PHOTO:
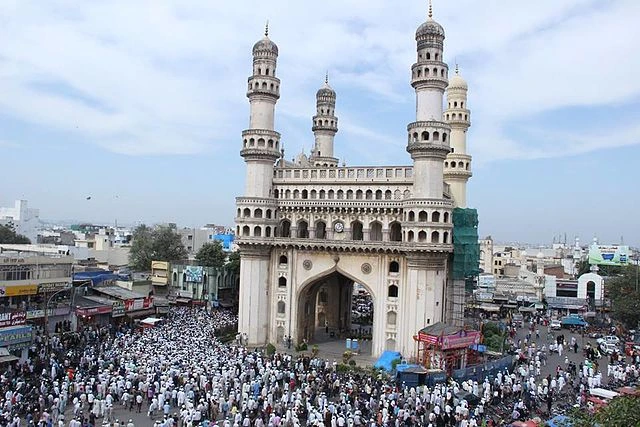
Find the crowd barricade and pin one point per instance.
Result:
(485, 370)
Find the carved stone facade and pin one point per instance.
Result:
(309, 229)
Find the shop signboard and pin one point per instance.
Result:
(138, 304)
(11, 336)
(13, 319)
(52, 287)
(118, 309)
(18, 290)
(91, 311)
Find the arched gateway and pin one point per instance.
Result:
(308, 229)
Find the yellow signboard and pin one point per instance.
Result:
(17, 290)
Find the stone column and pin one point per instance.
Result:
(253, 318)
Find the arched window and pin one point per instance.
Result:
(257, 231)
(303, 230)
(305, 194)
(392, 292)
(313, 194)
(285, 228)
(267, 232)
(422, 236)
(321, 230)
(246, 212)
(175, 278)
(257, 213)
(375, 231)
(283, 260)
(394, 267)
(282, 281)
(412, 216)
(446, 164)
(296, 194)
(453, 164)
(435, 216)
(268, 213)
(428, 56)
(445, 237)
(455, 104)
(349, 194)
(415, 137)
(395, 232)
(369, 195)
(435, 237)
(425, 136)
(358, 194)
(446, 217)
(436, 136)
(322, 194)
(410, 236)
(388, 195)
(422, 216)
(259, 71)
(287, 194)
(356, 231)
(323, 297)
(184, 279)
(281, 307)
(246, 230)
(330, 194)
(340, 195)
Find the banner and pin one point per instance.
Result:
(138, 304)
(13, 319)
(194, 273)
(118, 309)
(18, 290)
(608, 255)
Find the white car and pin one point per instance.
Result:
(609, 339)
(608, 348)
(556, 324)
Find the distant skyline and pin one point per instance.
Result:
(141, 106)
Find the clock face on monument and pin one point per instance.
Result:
(339, 227)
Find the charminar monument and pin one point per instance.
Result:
(309, 229)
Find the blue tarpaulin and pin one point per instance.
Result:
(559, 420)
(97, 277)
(385, 359)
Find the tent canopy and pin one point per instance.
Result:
(385, 360)
(150, 320)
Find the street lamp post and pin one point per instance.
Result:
(46, 311)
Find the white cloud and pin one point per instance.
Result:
(165, 77)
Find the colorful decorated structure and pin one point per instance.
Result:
(443, 346)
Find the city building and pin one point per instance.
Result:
(196, 284)
(30, 288)
(310, 227)
(486, 255)
(194, 238)
(25, 220)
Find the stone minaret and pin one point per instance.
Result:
(256, 219)
(325, 127)
(429, 135)
(457, 166)
(427, 213)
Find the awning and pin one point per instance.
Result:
(183, 300)
(509, 306)
(489, 307)
(527, 309)
(8, 358)
(141, 313)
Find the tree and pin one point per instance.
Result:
(621, 411)
(161, 243)
(8, 235)
(234, 262)
(141, 252)
(211, 255)
(625, 297)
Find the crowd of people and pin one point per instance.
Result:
(179, 374)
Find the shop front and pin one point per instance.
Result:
(16, 340)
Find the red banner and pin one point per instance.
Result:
(13, 319)
(103, 309)
(138, 304)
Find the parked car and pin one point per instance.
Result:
(518, 319)
(609, 339)
(608, 348)
(555, 324)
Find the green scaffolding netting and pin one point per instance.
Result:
(466, 250)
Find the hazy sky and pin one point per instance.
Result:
(141, 104)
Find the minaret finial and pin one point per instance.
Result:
(457, 70)
(326, 77)
(430, 9)
(266, 29)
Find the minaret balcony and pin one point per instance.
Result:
(261, 139)
(268, 86)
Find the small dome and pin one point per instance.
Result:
(325, 90)
(265, 45)
(457, 82)
(430, 27)
(540, 255)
